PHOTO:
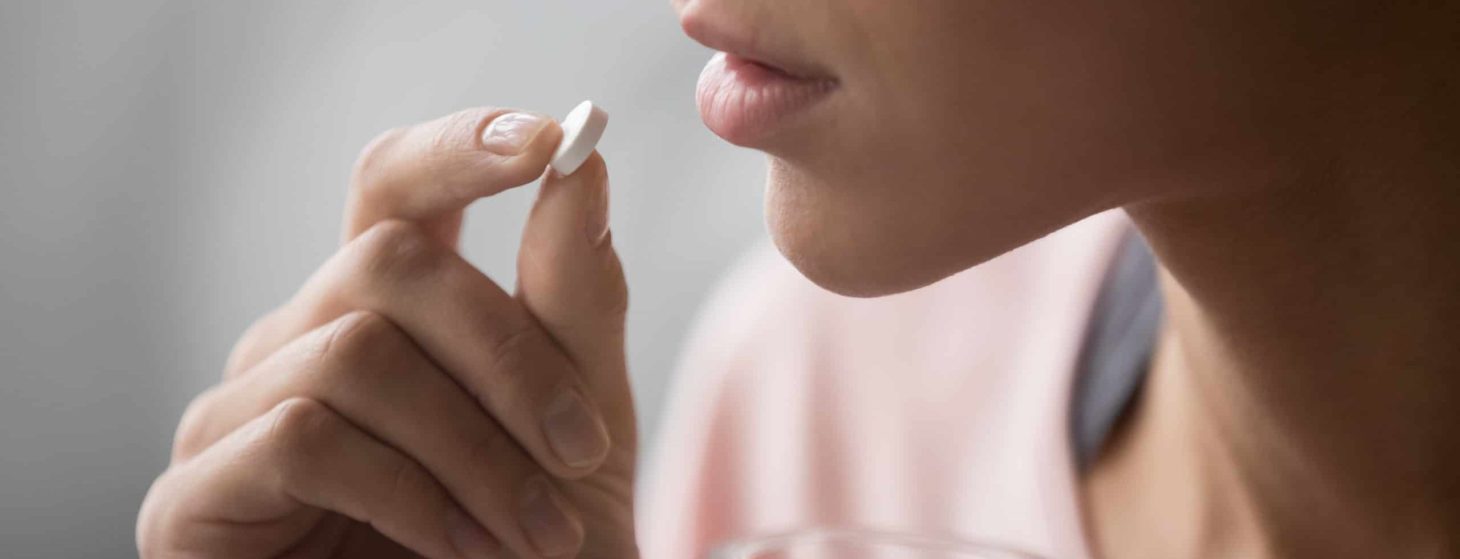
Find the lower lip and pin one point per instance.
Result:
(747, 103)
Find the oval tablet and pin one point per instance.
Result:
(582, 129)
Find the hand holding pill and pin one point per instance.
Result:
(402, 402)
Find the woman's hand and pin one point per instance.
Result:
(403, 403)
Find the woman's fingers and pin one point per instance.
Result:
(411, 391)
(480, 335)
(426, 173)
(569, 277)
(430, 171)
(372, 374)
(259, 491)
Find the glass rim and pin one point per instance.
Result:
(745, 548)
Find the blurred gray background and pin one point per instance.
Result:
(169, 170)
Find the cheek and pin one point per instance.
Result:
(1012, 95)
(1042, 95)
(929, 171)
(970, 128)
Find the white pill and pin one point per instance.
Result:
(582, 129)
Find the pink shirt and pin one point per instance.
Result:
(939, 411)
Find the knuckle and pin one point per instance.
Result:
(394, 250)
(530, 366)
(491, 448)
(514, 352)
(374, 156)
(157, 518)
(449, 137)
(297, 426)
(358, 342)
(191, 435)
(410, 481)
(457, 131)
(251, 343)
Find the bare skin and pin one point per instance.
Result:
(1294, 165)
(1303, 400)
(404, 405)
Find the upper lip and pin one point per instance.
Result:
(720, 35)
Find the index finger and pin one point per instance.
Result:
(430, 172)
(477, 333)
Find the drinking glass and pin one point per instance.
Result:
(861, 544)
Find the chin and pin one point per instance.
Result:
(837, 274)
(871, 236)
(846, 249)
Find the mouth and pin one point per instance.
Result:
(747, 94)
(746, 102)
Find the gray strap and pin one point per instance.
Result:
(1117, 347)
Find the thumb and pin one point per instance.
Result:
(569, 277)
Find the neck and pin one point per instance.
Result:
(1305, 399)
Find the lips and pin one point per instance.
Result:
(747, 102)
(748, 94)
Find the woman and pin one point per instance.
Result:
(1292, 164)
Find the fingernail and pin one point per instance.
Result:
(597, 221)
(574, 430)
(470, 539)
(510, 133)
(547, 525)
